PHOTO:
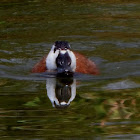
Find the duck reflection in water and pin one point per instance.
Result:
(61, 91)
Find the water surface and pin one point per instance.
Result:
(103, 107)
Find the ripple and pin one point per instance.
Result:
(125, 84)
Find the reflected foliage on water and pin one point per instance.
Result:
(94, 111)
(98, 107)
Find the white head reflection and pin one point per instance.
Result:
(61, 91)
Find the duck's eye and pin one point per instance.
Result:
(61, 62)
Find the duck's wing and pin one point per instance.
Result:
(84, 65)
(40, 66)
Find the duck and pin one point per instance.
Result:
(64, 61)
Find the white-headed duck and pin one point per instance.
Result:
(65, 61)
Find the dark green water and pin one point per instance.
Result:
(105, 106)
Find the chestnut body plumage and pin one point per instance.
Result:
(63, 60)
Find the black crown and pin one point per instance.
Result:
(62, 45)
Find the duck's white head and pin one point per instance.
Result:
(61, 58)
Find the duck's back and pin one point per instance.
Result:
(84, 65)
